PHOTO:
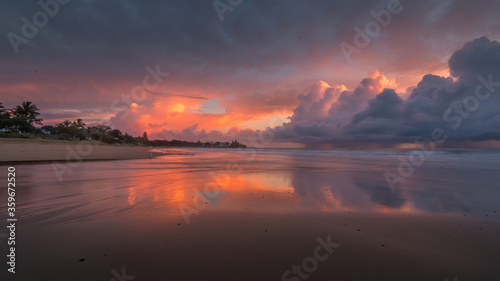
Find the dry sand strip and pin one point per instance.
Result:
(26, 151)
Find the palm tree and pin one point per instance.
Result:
(66, 123)
(79, 124)
(4, 112)
(60, 128)
(29, 111)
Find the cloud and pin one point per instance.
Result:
(256, 62)
(374, 113)
(212, 106)
(385, 105)
(175, 95)
(108, 42)
(478, 57)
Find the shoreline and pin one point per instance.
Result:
(25, 151)
(160, 218)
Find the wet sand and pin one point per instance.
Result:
(248, 246)
(124, 217)
(18, 150)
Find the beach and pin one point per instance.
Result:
(250, 140)
(221, 214)
(21, 150)
(221, 246)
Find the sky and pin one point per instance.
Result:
(276, 72)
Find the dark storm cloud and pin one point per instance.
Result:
(119, 38)
(466, 109)
(386, 105)
(478, 57)
(112, 33)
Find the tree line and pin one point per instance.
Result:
(23, 118)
